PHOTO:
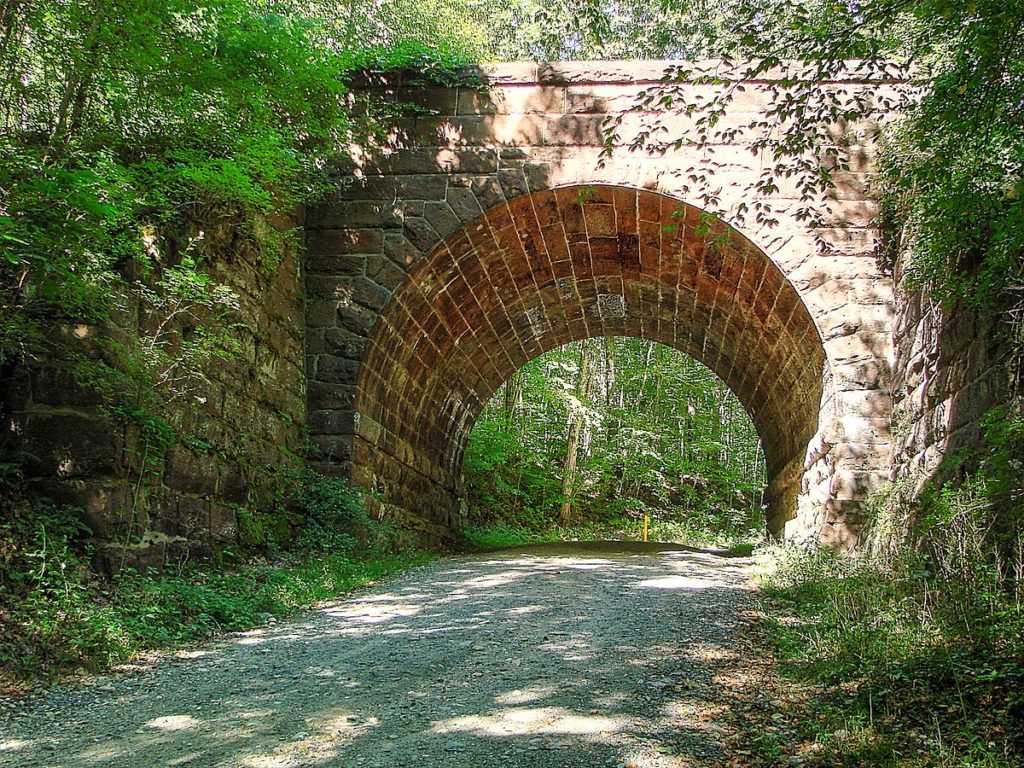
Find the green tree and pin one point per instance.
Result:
(129, 129)
(577, 401)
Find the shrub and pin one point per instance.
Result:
(926, 627)
(56, 614)
(334, 518)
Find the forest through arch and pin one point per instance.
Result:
(564, 265)
(615, 438)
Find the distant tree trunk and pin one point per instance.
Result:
(611, 427)
(76, 89)
(658, 408)
(645, 402)
(9, 10)
(725, 419)
(577, 424)
(12, 32)
(513, 398)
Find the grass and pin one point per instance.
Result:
(59, 616)
(909, 670)
(90, 624)
(499, 535)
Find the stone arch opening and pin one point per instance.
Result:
(644, 397)
(561, 265)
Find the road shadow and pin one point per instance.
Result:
(562, 655)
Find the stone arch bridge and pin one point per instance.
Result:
(491, 229)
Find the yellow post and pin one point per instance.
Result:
(647, 521)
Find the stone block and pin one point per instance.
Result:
(866, 374)
(331, 369)
(188, 519)
(232, 484)
(329, 396)
(481, 130)
(189, 472)
(50, 384)
(598, 72)
(513, 182)
(333, 451)
(70, 445)
(574, 130)
(412, 208)
(419, 232)
(322, 313)
(223, 524)
(399, 249)
(599, 99)
(488, 191)
(511, 99)
(349, 240)
(504, 73)
(105, 503)
(870, 403)
(336, 287)
(436, 99)
(431, 186)
(361, 214)
(463, 203)
(434, 160)
(600, 219)
(441, 217)
(337, 423)
(369, 294)
(858, 429)
(383, 271)
(854, 486)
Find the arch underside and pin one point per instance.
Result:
(562, 265)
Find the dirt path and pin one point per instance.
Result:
(558, 657)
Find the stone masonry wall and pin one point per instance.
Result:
(232, 438)
(950, 370)
(562, 265)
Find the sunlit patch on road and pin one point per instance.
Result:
(541, 659)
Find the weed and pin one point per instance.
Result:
(505, 534)
(58, 615)
(929, 671)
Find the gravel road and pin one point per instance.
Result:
(555, 656)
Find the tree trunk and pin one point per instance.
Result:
(611, 427)
(577, 424)
(76, 88)
(657, 407)
(12, 30)
(513, 398)
(9, 12)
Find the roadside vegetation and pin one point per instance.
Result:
(130, 134)
(59, 616)
(915, 648)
